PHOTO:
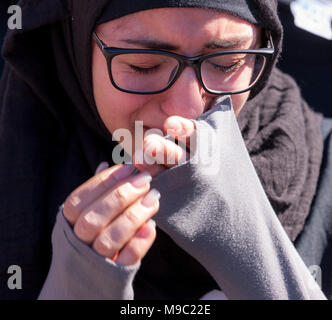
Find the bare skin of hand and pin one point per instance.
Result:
(112, 211)
(161, 150)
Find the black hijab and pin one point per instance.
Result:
(52, 140)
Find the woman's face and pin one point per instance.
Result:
(187, 30)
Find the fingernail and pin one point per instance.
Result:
(124, 171)
(141, 180)
(150, 199)
(152, 145)
(153, 223)
(102, 166)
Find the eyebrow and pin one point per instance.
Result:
(214, 44)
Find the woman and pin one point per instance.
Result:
(216, 226)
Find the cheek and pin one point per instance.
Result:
(239, 101)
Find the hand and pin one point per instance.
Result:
(111, 212)
(165, 153)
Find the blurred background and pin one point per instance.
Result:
(306, 56)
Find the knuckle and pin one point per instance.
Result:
(103, 246)
(85, 228)
(132, 216)
(120, 196)
(71, 207)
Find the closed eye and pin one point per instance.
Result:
(226, 69)
(144, 70)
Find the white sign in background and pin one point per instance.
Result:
(314, 16)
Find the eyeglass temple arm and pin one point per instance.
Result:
(100, 44)
(270, 40)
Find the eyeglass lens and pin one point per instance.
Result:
(142, 72)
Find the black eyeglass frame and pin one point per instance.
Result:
(184, 61)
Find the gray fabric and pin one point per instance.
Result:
(315, 241)
(284, 140)
(241, 8)
(233, 232)
(78, 272)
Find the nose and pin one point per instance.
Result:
(186, 98)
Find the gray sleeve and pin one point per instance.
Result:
(78, 272)
(214, 207)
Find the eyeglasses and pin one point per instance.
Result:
(142, 71)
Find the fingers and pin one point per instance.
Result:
(125, 227)
(180, 128)
(109, 205)
(85, 194)
(142, 165)
(112, 210)
(102, 166)
(138, 246)
(163, 151)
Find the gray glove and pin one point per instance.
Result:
(214, 207)
(77, 272)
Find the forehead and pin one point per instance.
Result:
(181, 26)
